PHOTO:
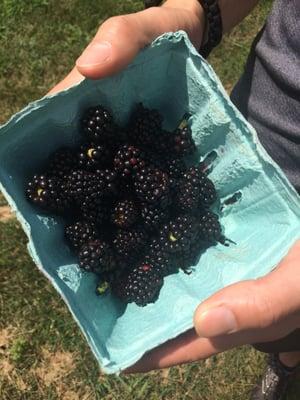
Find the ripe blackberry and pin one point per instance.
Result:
(129, 160)
(141, 285)
(125, 213)
(178, 234)
(98, 125)
(153, 186)
(144, 126)
(209, 228)
(159, 261)
(93, 155)
(61, 162)
(85, 184)
(175, 168)
(153, 217)
(49, 194)
(97, 256)
(95, 210)
(129, 243)
(80, 233)
(195, 189)
(183, 142)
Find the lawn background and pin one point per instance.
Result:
(42, 353)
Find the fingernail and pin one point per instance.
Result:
(95, 54)
(216, 321)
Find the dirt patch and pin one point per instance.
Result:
(5, 214)
(55, 366)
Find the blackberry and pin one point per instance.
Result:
(92, 156)
(97, 256)
(195, 189)
(179, 234)
(80, 233)
(129, 243)
(153, 186)
(98, 125)
(85, 184)
(61, 162)
(209, 228)
(144, 126)
(129, 160)
(188, 258)
(125, 213)
(183, 142)
(141, 285)
(174, 168)
(110, 180)
(160, 262)
(153, 217)
(49, 194)
(95, 210)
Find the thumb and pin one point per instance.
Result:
(120, 38)
(263, 309)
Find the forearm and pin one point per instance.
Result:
(233, 11)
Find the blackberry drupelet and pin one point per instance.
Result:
(98, 125)
(153, 186)
(97, 256)
(209, 228)
(129, 243)
(50, 194)
(144, 126)
(93, 155)
(61, 162)
(153, 217)
(179, 234)
(141, 285)
(183, 142)
(195, 190)
(80, 233)
(125, 213)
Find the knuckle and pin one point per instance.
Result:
(117, 23)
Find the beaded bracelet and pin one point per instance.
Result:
(213, 20)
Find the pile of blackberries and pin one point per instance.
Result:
(134, 210)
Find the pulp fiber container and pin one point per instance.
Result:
(171, 76)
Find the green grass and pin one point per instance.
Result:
(42, 353)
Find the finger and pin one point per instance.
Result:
(71, 79)
(255, 307)
(120, 38)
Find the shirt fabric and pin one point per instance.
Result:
(268, 92)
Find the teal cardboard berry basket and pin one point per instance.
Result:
(264, 223)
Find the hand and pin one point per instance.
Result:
(248, 312)
(120, 38)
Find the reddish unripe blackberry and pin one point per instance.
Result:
(97, 256)
(80, 233)
(125, 213)
(61, 162)
(50, 194)
(141, 285)
(152, 186)
(93, 155)
(98, 125)
(129, 160)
